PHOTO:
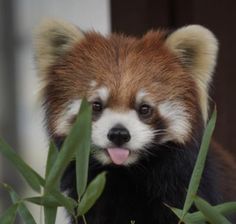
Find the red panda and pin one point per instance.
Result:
(150, 105)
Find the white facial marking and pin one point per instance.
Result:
(93, 83)
(178, 118)
(102, 93)
(140, 95)
(144, 96)
(62, 124)
(141, 134)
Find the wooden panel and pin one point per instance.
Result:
(219, 16)
(136, 18)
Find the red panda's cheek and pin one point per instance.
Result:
(66, 118)
(178, 125)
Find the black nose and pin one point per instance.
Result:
(118, 135)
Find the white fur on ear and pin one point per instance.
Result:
(52, 39)
(197, 49)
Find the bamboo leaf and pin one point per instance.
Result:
(188, 219)
(65, 201)
(22, 209)
(83, 151)
(211, 214)
(50, 214)
(199, 166)
(227, 208)
(50, 211)
(26, 171)
(54, 199)
(51, 158)
(48, 200)
(9, 216)
(58, 198)
(69, 148)
(93, 192)
(25, 214)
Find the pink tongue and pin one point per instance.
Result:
(118, 155)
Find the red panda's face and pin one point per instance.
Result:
(142, 94)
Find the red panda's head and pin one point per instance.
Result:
(144, 91)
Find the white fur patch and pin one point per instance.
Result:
(140, 96)
(93, 83)
(101, 93)
(178, 121)
(141, 134)
(62, 124)
(143, 96)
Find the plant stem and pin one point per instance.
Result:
(84, 219)
(76, 219)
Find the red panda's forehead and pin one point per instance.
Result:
(124, 66)
(127, 65)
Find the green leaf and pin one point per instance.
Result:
(25, 214)
(9, 216)
(67, 202)
(54, 199)
(22, 209)
(227, 208)
(51, 158)
(211, 214)
(187, 218)
(50, 210)
(83, 150)
(69, 148)
(46, 200)
(50, 214)
(93, 192)
(199, 166)
(26, 171)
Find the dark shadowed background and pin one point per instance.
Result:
(20, 116)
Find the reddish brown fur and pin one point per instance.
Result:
(125, 65)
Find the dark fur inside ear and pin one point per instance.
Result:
(52, 40)
(60, 40)
(188, 55)
(196, 47)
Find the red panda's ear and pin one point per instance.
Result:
(197, 48)
(53, 39)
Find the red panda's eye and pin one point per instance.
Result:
(145, 110)
(97, 106)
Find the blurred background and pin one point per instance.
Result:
(20, 115)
